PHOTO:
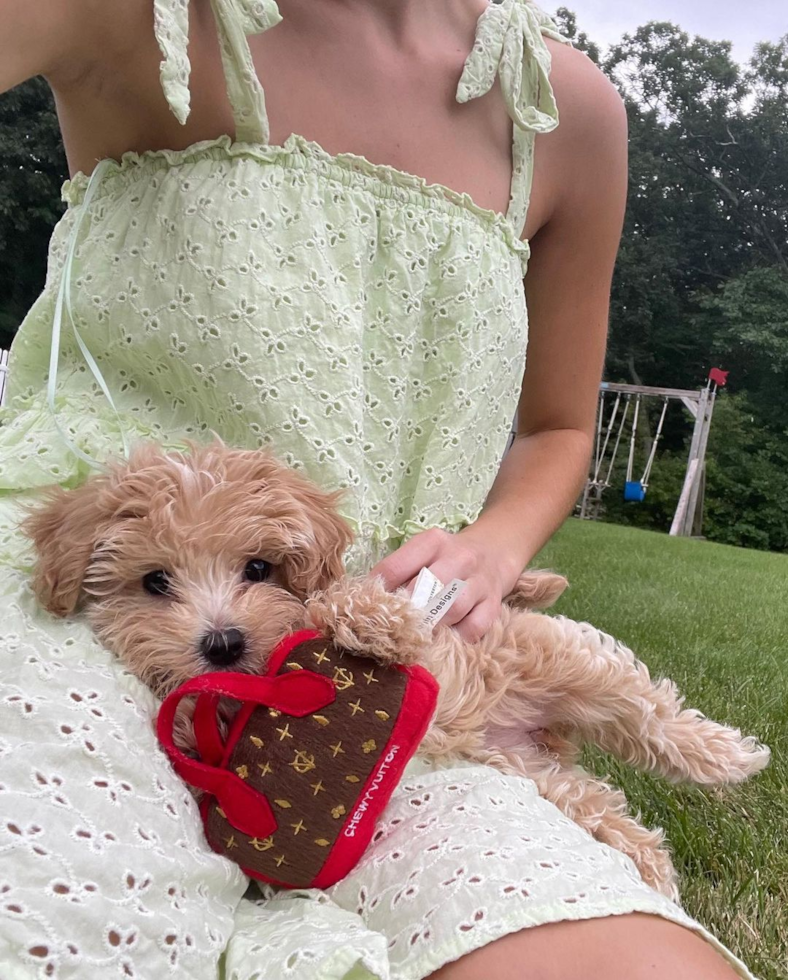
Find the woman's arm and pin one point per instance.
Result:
(568, 291)
(581, 179)
(40, 37)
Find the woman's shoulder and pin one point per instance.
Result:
(580, 166)
(586, 98)
(592, 130)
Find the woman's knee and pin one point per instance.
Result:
(625, 947)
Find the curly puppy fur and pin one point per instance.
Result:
(524, 699)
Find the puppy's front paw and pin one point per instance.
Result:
(361, 616)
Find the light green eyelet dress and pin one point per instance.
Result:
(371, 330)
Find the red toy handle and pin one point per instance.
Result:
(296, 694)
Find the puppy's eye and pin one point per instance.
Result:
(257, 570)
(157, 583)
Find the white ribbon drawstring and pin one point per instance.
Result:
(62, 302)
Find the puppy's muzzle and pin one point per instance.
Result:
(223, 647)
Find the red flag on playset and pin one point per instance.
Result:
(718, 376)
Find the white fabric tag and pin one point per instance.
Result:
(435, 598)
(425, 587)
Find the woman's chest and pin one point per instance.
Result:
(392, 107)
(342, 85)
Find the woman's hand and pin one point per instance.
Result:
(490, 575)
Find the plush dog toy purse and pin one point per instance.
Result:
(311, 758)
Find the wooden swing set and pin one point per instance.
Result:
(610, 428)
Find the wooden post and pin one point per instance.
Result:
(682, 519)
(697, 521)
(695, 515)
(584, 500)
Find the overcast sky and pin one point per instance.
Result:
(745, 23)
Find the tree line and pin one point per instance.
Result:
(702, 274)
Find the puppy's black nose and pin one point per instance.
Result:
(223, 647)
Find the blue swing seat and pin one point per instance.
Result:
(634, 490)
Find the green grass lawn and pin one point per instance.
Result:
(715, 619)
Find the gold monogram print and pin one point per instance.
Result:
(303, 762)
(343, 678)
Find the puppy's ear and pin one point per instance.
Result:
(64, 531)
(315, 534)
(321, 561)
(536, 590)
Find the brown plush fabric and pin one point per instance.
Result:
(311, 769)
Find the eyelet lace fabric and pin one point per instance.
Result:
(104, 871)
(371, 330)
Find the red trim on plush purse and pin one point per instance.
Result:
(412, 722)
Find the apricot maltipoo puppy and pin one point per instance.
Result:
(204, 561)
